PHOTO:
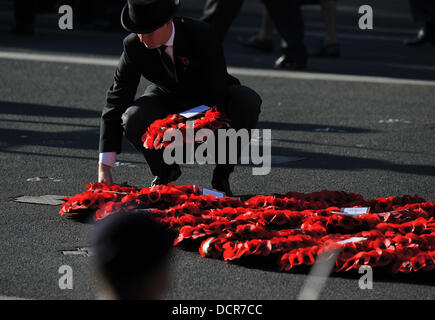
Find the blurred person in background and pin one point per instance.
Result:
(288, 19)
(131, 257)
(103, 13)
(112, 15)
(423, 11)
(24, 14)
(263, 40)
(329, 48)
(285, 14)
(221, 14)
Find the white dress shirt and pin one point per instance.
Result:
(109, 158)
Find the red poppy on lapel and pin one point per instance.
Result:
(185, 61)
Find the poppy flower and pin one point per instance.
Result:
(429, 239)
(108, 209)
(418, 262)
(316, 229)
(380, 244)
(185, 61)
(284, 263)
(360, 259)
(184, 233)
(230, 250)
(386, 257)
(264, 248)
(251, 247)
(382, 204)
(430, 261)
(216, 227)
(307, 256)
(212, 247)
(372, 234)
(341, 259)
(295, 257)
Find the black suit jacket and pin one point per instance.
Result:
(201, 73)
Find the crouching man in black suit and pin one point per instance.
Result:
(186, 65)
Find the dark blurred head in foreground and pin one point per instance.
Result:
(131, 257)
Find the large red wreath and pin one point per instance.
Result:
(294, 228)
(153, 138)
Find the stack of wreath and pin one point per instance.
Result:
(153, 138)
(398, 233)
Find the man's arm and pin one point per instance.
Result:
(105, 163)
(107, 158)
(119, 97)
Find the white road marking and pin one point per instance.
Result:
(326, 76)
(100, 61)
(11, 298)
(43, 57)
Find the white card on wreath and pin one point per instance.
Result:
(355, 211)
(194, 111)
(217, 194)
(353, 239)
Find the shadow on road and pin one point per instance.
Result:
(310, 127)
(320, 160)
(28, 109)
(87, 138)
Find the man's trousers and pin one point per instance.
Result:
(286, 15)
(242, 107)
(423, 10)
(221, 14)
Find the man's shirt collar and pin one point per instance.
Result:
(170, 42)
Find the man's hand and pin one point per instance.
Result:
(104, 174)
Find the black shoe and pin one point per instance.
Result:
(222, 184)
(286, 63)
(173, 174)
(255, 43)
(328, 51)
(425, 35)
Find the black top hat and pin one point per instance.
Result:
(146, 16)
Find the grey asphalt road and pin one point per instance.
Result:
(381, 144)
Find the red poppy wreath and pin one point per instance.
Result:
(153, 138)
(294, 229)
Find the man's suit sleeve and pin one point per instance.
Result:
(119, 97)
